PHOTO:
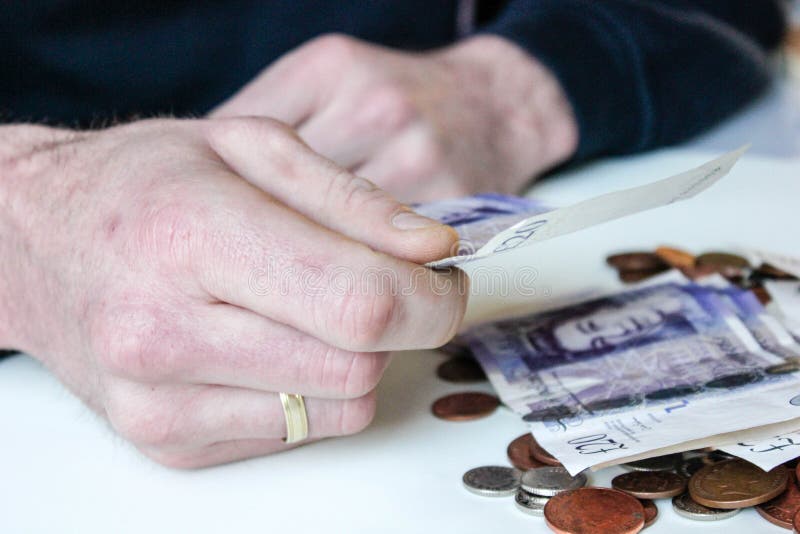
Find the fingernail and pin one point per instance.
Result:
(408, 220)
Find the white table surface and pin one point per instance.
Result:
(63, 470)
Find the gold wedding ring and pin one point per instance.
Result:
(294, 408)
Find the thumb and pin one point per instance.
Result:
(271, 156)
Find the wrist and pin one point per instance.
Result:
(20, 146)
(534, 122)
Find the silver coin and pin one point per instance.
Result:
(492, 480)
(658, 463)
(550, 480)
(530, 503)
(685, 506)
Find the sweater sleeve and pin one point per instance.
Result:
(646, 73)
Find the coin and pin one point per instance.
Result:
(650, 484)
(456, 347)
(460, 370)
(736, 484)
(530, 503)
(715, 456)
(657, 463)
(782, 368)
(728, 265)
(686, 507)
(761, 294)
(636, 261)
(690, 466)
(631, 277)
(587, 510)
(550, 480)
(796, 522)
(542, 455)
(492, 480)
(520, 454)
(650, 512)
(465, 406)
(698, 271)
(766, 270)
(675, 257)
(781, 510)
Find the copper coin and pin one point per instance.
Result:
(636, 261)
(675, 257)
(728, 265)
(766, 270)
(736, 484)
(797, 472)
(520, 454)
(796, 522)
(465, 406)
(542, 455)
(715, 456)
(594, 510)
(456, 347)
(650, 512)
(781, 510)
(761, 294)
(631, 277)
(698, 271)
(460, 370)
(650, 484)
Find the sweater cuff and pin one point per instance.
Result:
(591, 56)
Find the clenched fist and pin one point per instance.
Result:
(176, 275)
(482, 115)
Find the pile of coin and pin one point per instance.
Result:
(635, 266)
(469, 405)
(703, 485)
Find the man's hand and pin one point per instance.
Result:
(479, 116)
(178, 274)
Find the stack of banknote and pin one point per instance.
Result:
(668, 365)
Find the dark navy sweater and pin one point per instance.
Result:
(639, 73)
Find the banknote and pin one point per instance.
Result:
(619, 376)
(553, 223)
(764, 327)
(478, 218)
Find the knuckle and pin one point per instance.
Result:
(387, 108)
(364, 317)
(333, 48)
(128, 345)
(263, 132)
(170, 230)
(357, 414)
(154, 427)
(428, 158)
(356, 194)
(362, 373)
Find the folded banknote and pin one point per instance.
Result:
(486, 234)
(618, 377)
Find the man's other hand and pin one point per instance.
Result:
(482, 115)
